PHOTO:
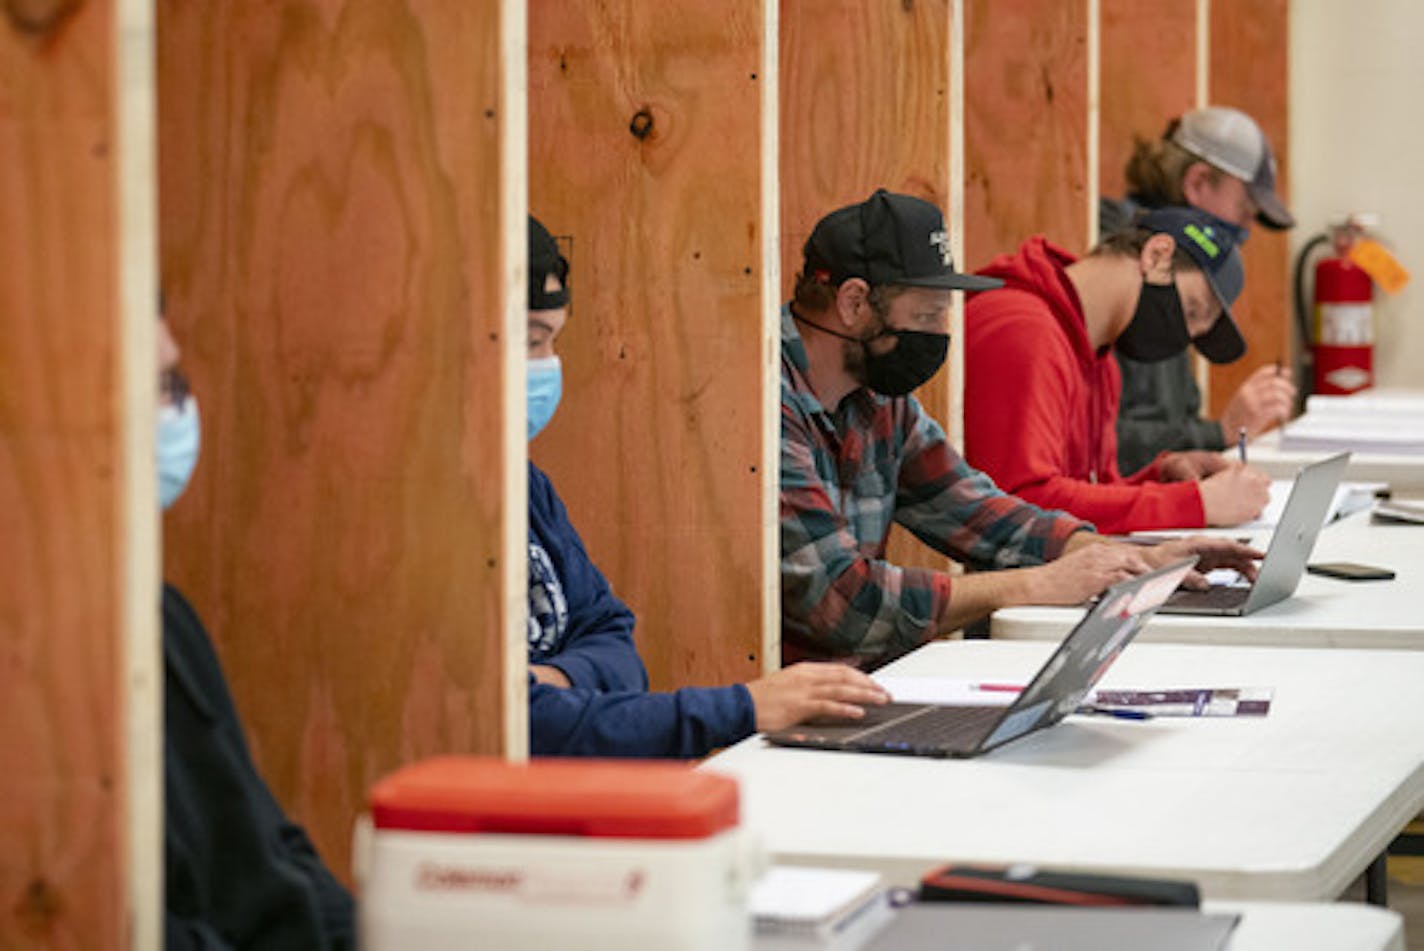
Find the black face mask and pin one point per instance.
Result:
(916, 357)
(1158, 330)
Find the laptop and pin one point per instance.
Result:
(1290, 548)
(943, 730)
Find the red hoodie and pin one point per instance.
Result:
(1040, 405)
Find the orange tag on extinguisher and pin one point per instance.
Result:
(1383, 268)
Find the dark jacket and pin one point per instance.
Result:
(607, 711)
(1161, 403)
(239, 873)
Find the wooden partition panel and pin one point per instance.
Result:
(865, 103)
(1249, 71)
(1025, 124)
(338, 262)
(1148, 76)
(79, 713)
(646, 143)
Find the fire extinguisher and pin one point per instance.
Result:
(1338, 328)
(1343, 332)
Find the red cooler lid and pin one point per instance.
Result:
(600, 798)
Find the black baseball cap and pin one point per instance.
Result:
(887, 239)
(545, 259)
(1211, 243)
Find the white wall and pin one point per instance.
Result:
(1357, 144)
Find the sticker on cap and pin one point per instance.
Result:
(1203, 239)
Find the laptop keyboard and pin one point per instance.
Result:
(936, 728)
(1217, 597)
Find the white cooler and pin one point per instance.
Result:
(466, 852)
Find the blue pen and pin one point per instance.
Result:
(1241, 444)
(1118, 714)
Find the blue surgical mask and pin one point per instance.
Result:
(544, 384)
(179, 436)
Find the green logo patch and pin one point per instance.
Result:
(1203, 240)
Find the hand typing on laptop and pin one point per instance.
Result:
(1212, 554)
(813, 690)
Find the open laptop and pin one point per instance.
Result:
(929, 729)
(1290, 548)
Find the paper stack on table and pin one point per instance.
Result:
(794, 907)
(1380, 422)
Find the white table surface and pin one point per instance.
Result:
(1323, 612)
(1340, 926)
(1291, 806)
(1404, 473)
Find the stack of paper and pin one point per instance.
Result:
(794, 907)
(1382, 422)
(1350, 497)
(1399, 510)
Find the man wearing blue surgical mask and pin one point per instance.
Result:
(588, 690)
(238, 873)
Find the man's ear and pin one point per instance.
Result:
(1197, 182)
(1156, 258)
(851, 299)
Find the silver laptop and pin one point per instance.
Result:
(1290, 548)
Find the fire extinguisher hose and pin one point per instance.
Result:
(1305, 359)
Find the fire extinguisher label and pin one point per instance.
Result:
(1345, 325)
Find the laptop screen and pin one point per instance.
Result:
(1087, 652)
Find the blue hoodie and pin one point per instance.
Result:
(577, 625)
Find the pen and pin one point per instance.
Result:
(999, 688)
(1241, 444)
(1118, 714)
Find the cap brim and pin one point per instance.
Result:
(1223, 343)
(954, 282)
(1272, 212)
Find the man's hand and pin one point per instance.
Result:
(1082, 573)
(805, 691)
(1190, 466)
(1211, 553)
(1234, 495)
(1265, 399)
(545, 674)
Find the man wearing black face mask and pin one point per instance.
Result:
(868, 323)
(1042, 387)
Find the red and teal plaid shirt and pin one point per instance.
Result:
(845, 476)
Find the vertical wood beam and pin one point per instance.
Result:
(343, 244)
(78, 390)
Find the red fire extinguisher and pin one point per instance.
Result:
(1342, 337)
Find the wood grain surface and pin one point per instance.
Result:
(645, 157)
(1249, 70)
(1148, 76)
(62, 865)
(1025, 124)
(330, 244)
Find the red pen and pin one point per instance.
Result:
(1000, 688)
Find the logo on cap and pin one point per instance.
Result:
(940, 239)
(1203, 239)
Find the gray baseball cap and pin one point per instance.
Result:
(1231, 140)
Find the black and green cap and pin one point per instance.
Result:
(1211, 243)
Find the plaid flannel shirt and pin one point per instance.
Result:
(845, 476)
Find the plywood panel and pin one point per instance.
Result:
(1025, 124)
(864, 105)
(1148, 77)
(645, 152)
(334, 266)
(62, 493)
(1249, 71)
